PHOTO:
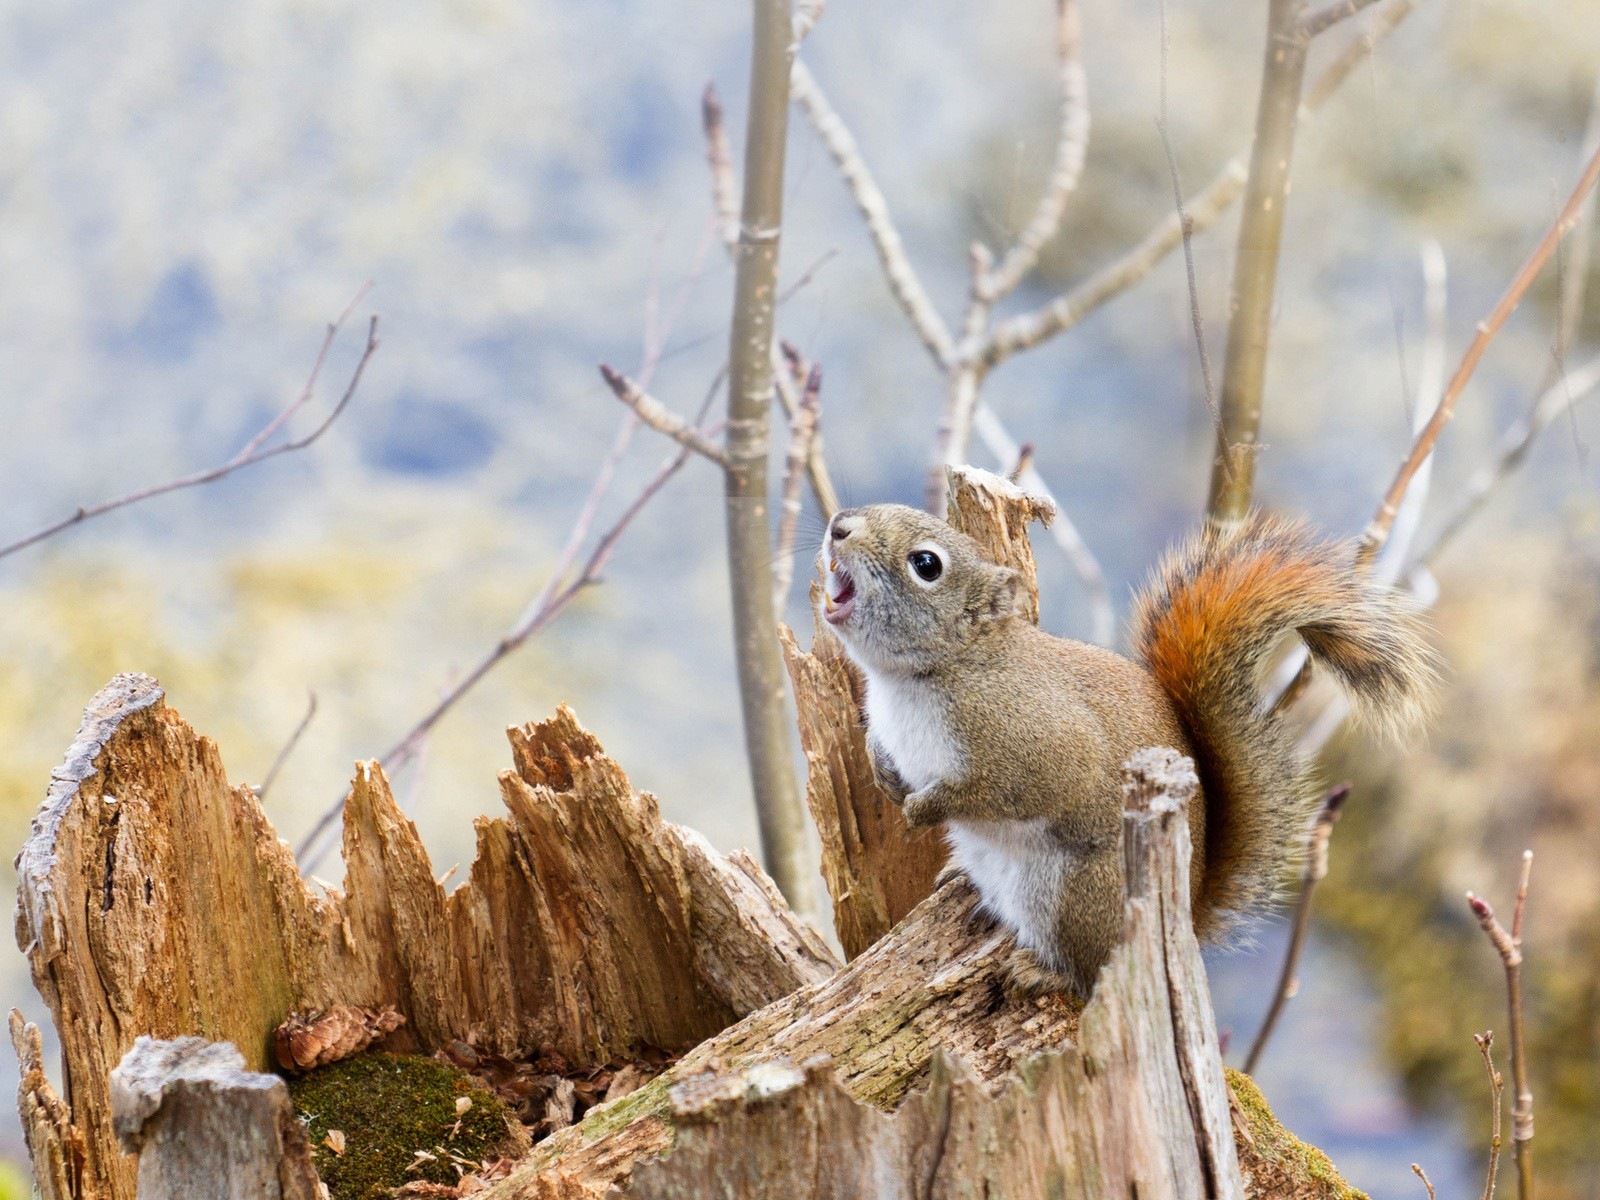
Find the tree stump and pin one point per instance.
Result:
(155, 899)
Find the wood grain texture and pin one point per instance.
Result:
(202, 1125)
(996, 513)
(588, 921)
(912, 1073)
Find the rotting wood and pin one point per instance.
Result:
(55, 1145)
(202, 1125)
(877, 868)
(996, 513)
(588, 921)
(912, 1073)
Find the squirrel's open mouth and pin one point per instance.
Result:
(838, 595)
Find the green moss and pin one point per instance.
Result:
(388, 1107)
(1280, 1162)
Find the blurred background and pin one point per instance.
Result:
(189, 192)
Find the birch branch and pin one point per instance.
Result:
(1377, 531)
(254, 451)
(768, 736)
(1313, 871)
(662, 419)
(902, 277)
(1509, 947)
(802, 433)
(1255, 265)
(1072, 144)
(1029, 329)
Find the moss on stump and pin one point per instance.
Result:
(390, 1107)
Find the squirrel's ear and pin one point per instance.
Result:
(1003, 595)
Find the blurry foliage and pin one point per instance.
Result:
(1513, 762)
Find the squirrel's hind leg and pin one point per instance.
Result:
(1027, 977)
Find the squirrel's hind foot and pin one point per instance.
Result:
(1027, 977)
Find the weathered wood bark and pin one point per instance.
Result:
(809, 1097)
(202, 1125)
(588, 922)
(876, 867)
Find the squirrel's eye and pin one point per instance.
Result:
(926, 564)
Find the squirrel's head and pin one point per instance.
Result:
(906, 592)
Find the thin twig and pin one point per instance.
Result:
(1561, 397)
(288, 746)
(807, 14)
(1417, 1170)
(254, 451)
(802, 432)
(1186, 226)
(1102, 621)
(817, 473)
(964, 377)
(662, 419)
(1320, 19)
(1206, 207)
(1312, 872)
(1485, 1042)
(724, 190)
(1255, 266)
(1377, 531)
(1072, 143)
(903, 280)
(1509, 947)
(311, 849)
(557, 591)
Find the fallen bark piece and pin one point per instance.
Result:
(588, 922)
(308, 1039)
(202, 1125)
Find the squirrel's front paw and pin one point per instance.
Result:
(930, 806)
(887, 778)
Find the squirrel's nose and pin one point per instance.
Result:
(843, 526)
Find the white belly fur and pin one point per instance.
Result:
(1018, 869)
(1017, 866)
(906, 718)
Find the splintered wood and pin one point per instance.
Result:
(588, 923)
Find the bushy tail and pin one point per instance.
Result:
(1206, 625)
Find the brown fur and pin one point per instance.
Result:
(1040, 726)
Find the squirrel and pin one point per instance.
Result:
(1014, 739)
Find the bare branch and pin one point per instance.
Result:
(724, 190)
(553, 601)
(802, 433)
(807, 14)
(1417, 1170)
(254, 451)
(1485, 1042)
(660, 418)
(1072, 143)
(1255, 266)
(1003, 446)
(1514, 445)
(1509, 947)
(1319, 20)
(964, 376)
(762, 688)
(789, 394)
(1377, 531)
(903, 281)
(288, 747)
(1313, 871)
(1205, 208)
